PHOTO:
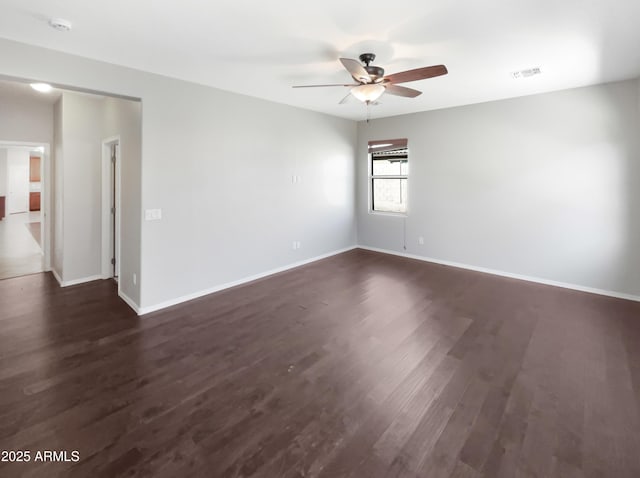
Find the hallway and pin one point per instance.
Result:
(20, 239)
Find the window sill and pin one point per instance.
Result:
(388, 213)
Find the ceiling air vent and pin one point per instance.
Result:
(526, 73)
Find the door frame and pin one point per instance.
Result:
(107, 223)
(45, 193)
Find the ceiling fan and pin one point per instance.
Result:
(371, 82)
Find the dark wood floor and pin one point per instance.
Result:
(360, 365)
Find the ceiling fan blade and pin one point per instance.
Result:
(356, 70)
(417, 74)
(402, 91)
(322, 86)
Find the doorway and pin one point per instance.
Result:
(24, 208)
(111, 208)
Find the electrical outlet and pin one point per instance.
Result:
(421, 240)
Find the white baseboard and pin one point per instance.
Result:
(129, 301)
(82, 280)
(55, 274)
(564, 285)
(211, 290)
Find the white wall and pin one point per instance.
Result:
(23, 119)
(81, 123)
(123, 118)
(546, 186)
(82, 198)
(219, 165)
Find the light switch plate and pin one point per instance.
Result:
(152, 214)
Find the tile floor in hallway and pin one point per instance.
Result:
(20, 253)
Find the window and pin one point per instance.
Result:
(389, 170)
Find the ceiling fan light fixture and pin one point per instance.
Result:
(368, 93)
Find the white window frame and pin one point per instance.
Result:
(380, 176)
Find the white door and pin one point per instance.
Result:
(17, 181)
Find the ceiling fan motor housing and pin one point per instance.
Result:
(367, 58)
(375, 72)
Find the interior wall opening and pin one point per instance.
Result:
(79, 126)
(24, 187)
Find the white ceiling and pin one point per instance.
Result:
(262, 48)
